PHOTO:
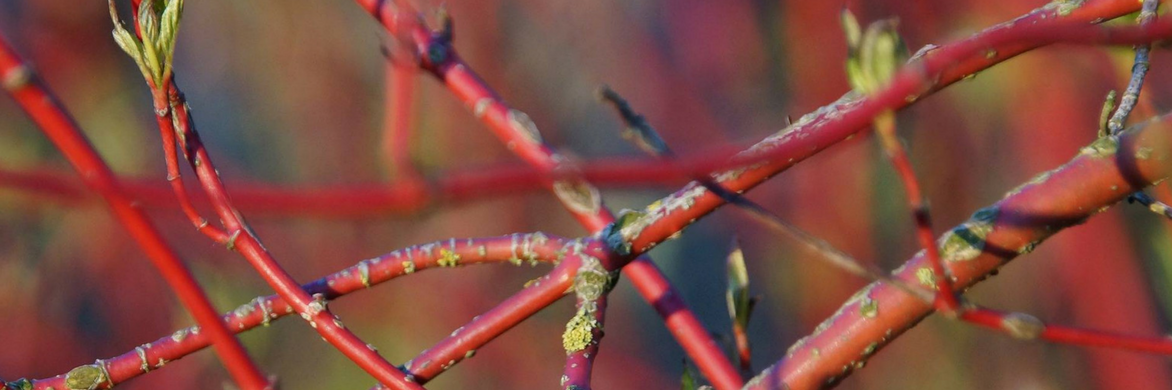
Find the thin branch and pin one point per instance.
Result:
(1139, 69)
(1152, 204)
(1029, 328)
(581, 198)
(945, 300)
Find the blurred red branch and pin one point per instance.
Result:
(357, 201)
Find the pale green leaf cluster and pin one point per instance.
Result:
(158, 22)
(873, 55)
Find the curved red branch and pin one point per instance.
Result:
(367, 273)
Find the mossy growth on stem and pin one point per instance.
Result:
(590, 284)
(86, 377)
(967, 241)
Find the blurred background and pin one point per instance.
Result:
(292, 95)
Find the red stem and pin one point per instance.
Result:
(398, 122)
(53, 120)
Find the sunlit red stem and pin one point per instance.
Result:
(1101, 176)
(367, 273)
(53, 120)
(438, 56)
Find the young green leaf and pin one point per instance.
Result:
(737, 295)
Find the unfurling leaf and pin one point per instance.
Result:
(739, 302)
(158, 22)
(687, 381)
(850, 26)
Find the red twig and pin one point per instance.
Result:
(367, 273)
(1031, 328)
(53, 120)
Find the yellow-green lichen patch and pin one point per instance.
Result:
(1102, 147)
(448, 258)
(1039, 179)
(524, 126)
(926, 277)
(1022, 326)
(86, 377)
(1065, 7)
(1143, 153)
(20, 384)
(967, 241)
(869, 308)
(579, 332)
